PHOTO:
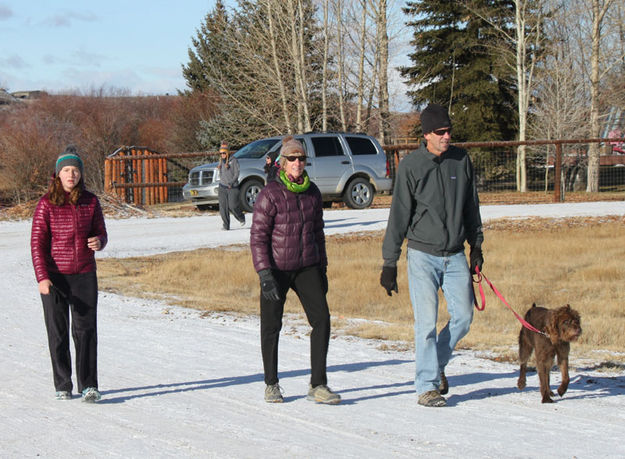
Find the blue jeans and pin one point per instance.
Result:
(426, 274)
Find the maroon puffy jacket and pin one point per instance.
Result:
(287, 229)
(58, 241)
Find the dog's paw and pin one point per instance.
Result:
(561, 391)
(547, 400)
(520, 384)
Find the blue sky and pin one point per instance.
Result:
(60, 46)
(136, 45)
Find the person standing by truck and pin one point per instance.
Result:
(229, 187)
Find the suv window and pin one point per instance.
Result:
(327, 146)
(256, 149)
(361, 146)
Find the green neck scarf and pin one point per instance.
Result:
(292, 186)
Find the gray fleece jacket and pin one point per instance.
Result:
(229, 174)
(435, 205)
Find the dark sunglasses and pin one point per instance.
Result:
(441, 132)
(293, 158)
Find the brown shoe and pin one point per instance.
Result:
(444, 387)
(432, 398)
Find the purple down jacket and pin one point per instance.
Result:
(287, 229)
(58, 240)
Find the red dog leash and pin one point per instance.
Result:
(480, 276)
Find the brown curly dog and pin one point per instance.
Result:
(561, 326)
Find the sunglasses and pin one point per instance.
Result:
(441, 132)
(293, 158)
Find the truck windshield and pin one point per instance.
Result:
(256, 149)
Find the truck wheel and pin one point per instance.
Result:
(358, 193)
(249, 192)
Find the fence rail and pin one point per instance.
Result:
(142, 176)
(500, 164)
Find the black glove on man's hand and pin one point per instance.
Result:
(388, 279)
(268, 285)
(324, 279)
(475, 259)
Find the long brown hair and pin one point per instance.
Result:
(57, 193)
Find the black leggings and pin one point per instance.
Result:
(307, 284)
(79, 294)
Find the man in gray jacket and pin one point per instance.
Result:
(435, 206)
(229, 188)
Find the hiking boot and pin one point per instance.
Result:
(432, 398)
(444, 387)
(63, 395)
(91, 395)
(323, 394)
(273, 393)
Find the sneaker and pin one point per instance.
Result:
(444, 387)
(63, 395)
(273, 393)
(91, 395)
(323, 394)
(432, 398)
(225, 228)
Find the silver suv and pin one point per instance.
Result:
(347, 167)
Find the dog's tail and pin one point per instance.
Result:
(527, 314)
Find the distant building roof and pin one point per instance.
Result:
(6, 98)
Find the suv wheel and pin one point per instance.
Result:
(249, 192)
(358, 194)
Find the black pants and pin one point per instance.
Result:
(307, 284)
(229, 202)
(79, 294)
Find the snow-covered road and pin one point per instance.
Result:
(177, 383)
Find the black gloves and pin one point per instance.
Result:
(268, 285)
(324, 279)
(388, 279)
(475, 259)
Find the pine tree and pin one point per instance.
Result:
(234, 58)
(453, 65)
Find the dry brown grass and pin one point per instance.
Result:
(550, 262)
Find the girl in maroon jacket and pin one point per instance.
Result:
(289, 252)
(68, 227)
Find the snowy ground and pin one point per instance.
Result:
(177, 384)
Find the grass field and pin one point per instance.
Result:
(550, 262)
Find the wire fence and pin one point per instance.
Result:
(557, 166)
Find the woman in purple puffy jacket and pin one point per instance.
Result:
(289, 252)
(68, 227)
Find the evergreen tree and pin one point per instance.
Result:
(452, 66)
(232, 58)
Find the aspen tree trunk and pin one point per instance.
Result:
(341, 64)
(599, 10)
(302, 67)
(522, 98)
(276, 64)
(324, 79)
(361, 65)
(383, 97)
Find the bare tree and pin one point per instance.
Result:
(526, 39)
(382, 40)
(597, 10)
(276, 64)
(324, 78)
